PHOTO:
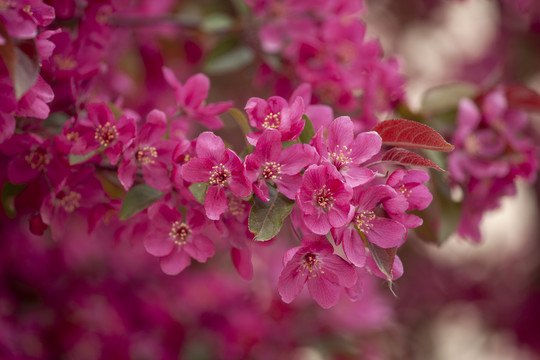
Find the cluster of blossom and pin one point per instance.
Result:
(492, 152)
(324, 43)
(89, 296)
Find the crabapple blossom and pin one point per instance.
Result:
(315, 264)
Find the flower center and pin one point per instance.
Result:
(179, 233)
(341, 157)
(272, 170)
(324, 198)
(72, 136)
(38, 159)
(146, 155)
(311, 266)
(472, 144)
(237, 206)
(69, 200)
(64, 62)
(219, 175)
(106, 134)
(272, 120)
(364, 221)
(406, 192)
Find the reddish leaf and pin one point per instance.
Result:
(411, 134)
(406, 157)
(384, 258)
(522, 97)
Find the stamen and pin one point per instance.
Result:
(69, 200)
(219, 175)
(324, 197)
(272, 170)
(311, 266)
(38, 159)
(341, 157)
(106, 134)
(364, 220)
(272, 120)
(179, 233)
(146, 155)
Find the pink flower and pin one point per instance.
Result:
(176, 241)
(324, 199)
(315, 263)
(277, 114)
(408, 184)
(346, 153)
(101, 130)
(269, 164)
(368, 224)
(149, 152)
(22, 17)
(221, 168)
(75, 193)
(191, 98)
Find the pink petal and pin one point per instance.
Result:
(340, 132)
(200, 247)
(210, 146)
(325, 293)
(296, 157)
(215, 202)
(356, 176)
(354, 248)
(340, 214)
(197, 170)
(195, 91)
(269, 146)
(365, 146)
(175, 262)
(318, 222)
(386, 233)
(126, 173)
(241, 259)
(157, 244)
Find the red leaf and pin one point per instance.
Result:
(406, 157)
(522, 97)
(411, 134)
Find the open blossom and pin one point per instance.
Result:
(148, 152)
(176, 240)
(347, 153)
(191, 97)
(76, 192)
(221, 168)
(324, 199)
(315, 264)
(368, 224)
(277, 114)
(22, 17)
(490, 153)
(270, 164)
(101, 130)
(409, 184)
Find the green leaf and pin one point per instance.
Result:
(9, 193)
(384, 258)
(137, 199)
(199, 191)
(243, 123)
(21, 60)
(444, 98)
(217, 22)
(78, 159)
(235, 59)
(308, 132)
(266, 218)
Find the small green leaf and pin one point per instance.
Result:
(266, 218)
(384, 258)
(217, 22)
(308, 132)
(235, 59)
(78, 159)
(243, 123)
(9, 193)
(444, 98)
(199, 191)
(137, 199)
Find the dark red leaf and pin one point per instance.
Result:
(521, 97)
(406, 157)
(411, 134)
